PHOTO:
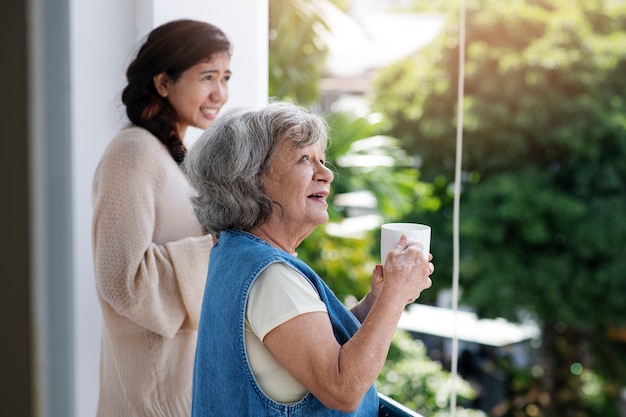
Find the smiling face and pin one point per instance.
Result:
(199, 93)
(298, 182)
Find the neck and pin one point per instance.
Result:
(276, 240)
(280, 236)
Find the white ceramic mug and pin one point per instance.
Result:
(390, 234)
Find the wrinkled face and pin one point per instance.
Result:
(299, 181)
(199, 93)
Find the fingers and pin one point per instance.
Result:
(378, 280)
(377, 275)
(406, 242)
(409, 267)
(423, 285)
(402, 242)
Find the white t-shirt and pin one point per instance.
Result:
(279, 294)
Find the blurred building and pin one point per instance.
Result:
(367, 38)
(482, 343)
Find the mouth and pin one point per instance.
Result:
(209, 111)
(319, 196)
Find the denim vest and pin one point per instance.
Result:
(223, 383)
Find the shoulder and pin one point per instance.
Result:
(135, 140)
(281, 278)
(133, 158)
(135, 149)
(279, 294)
(282, 270)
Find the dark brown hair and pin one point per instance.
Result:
(171, 48)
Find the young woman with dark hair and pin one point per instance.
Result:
(150, 253)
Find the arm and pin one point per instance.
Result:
(340, 375)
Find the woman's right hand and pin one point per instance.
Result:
(407, 270)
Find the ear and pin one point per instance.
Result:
(161, 83)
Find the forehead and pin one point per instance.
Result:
(217, 57)
(290, 147)
(218, 61)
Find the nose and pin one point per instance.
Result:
(323, 173)
(219, 94)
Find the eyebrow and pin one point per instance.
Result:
(213, 71)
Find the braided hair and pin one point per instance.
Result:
(171, 48)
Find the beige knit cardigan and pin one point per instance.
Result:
(150, 261)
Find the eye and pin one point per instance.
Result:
(304, 158)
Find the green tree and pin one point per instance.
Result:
(413, 379)
(297, 58)
(545, 168)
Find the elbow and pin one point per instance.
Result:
(343, 406)
(343, 400)
(349, 407)
(343, 391)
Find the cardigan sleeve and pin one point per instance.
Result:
(158, 287)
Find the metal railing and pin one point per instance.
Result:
(391, 408)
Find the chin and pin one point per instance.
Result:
(323, 221)
(204, 125)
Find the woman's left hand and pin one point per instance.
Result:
(377, 281)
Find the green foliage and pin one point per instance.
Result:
(526, 398)
(546, 139)
(413, 379)
(545, 135)
(364, 160)
(297, 52)
(345, 264)
(544, 159)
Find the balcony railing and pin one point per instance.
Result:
(391, 408)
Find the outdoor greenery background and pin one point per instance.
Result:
(544, 159)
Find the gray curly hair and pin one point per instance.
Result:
(226, 165)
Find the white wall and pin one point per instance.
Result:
(245, 22)
(104, 35)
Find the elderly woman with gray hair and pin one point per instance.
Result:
(273, 339)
